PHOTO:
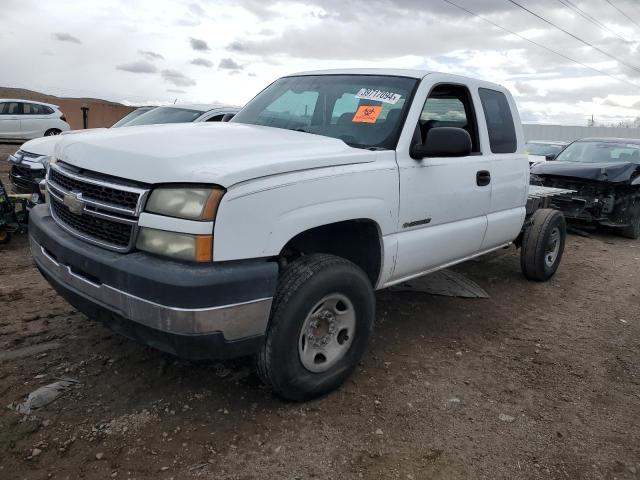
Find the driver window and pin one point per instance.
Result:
(450, 106)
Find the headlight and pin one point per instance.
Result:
(183, 246)
(189, 203)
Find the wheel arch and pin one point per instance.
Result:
(357, 240)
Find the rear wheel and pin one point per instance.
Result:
(543, 245)
(321, 321)
(52, 131)
(633, 230)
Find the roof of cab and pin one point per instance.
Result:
(396, 72)
(401, 72)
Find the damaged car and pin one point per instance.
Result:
(604, 173)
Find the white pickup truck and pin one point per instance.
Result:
(268, 235)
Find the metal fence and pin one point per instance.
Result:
(569, 134)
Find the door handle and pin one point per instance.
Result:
(483, 178)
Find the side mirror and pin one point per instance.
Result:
(444, 142)
(551, 156)
(227, 116)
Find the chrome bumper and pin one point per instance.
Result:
(235, 321)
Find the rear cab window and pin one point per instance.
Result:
(500, 126)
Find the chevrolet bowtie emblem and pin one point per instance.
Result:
(74, 202)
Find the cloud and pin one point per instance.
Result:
(196, 9)
(140, 66)
(65, 37)
(202, 62)
(229, 64)
(199, 45)
(175, 90)
(177, 78)
(149, 55)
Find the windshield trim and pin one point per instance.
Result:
(403, 114)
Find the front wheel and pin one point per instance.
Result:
(543, 245)
(5, 237)
(321, 321)
(633, 230)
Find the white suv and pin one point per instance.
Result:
(24, 119)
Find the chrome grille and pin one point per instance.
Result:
(97, 210)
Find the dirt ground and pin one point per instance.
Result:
(538, 381)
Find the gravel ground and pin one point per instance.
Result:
(538, 381)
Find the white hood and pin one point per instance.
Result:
(220, 153)
(47, 145)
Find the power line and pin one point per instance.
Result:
(572, 6)
(623, 13)
(540, 45)
(633, 67)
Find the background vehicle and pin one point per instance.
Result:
(131, 115)
(184, 113)
(24, 119)
(605, 174)
(268, 235)
(28, 171)
(539, 151)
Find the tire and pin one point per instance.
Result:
(543, 245)
(5, 237)
(305, 284)
(633, 230)
(51, 132)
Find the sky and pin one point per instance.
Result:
(143, 52)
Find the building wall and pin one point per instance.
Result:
(569, 134)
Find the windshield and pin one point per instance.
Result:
(543, 149)
(166, 115)
(600, 152)
(130, 116)
(365, 111)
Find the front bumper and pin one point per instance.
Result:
(25, 179)
(218, 310)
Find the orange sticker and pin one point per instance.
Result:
(367, 114)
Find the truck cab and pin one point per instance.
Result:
(268, 235)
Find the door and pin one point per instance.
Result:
(10, 125)
(35, 120)
(509, 168)
(443, 201)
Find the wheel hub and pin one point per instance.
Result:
(321, 328)
(553, 248)
(327, 333)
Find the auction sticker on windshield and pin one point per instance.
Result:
(367, 114)
(378, 95)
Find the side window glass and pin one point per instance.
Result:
(215, 118)
(33, 109)
(10, 108)
(46, 110)
(497, 113)
(450, 106)
(449, 110)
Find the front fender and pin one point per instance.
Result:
(258, 218)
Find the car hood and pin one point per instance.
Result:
(618, 172)
(47, 145)
(220, 153)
